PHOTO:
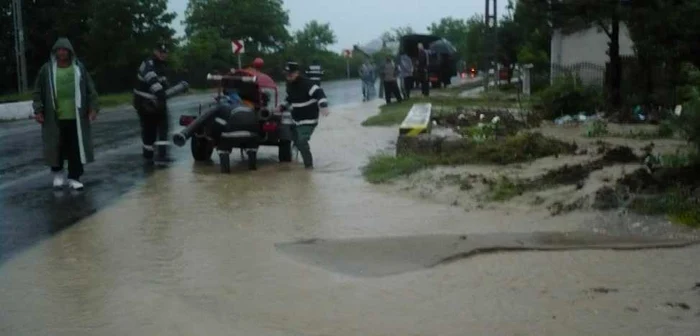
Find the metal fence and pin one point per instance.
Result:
(588, 73)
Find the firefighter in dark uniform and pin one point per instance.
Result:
(305, 100)
(151, 104)
(315, 72)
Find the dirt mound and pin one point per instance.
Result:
(645, 181)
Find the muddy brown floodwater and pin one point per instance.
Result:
(193, 252)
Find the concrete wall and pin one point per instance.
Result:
(18, 110)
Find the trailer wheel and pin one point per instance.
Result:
(201, 148)
(285, 151)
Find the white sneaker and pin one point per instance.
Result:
(75, 185)
(58, 180)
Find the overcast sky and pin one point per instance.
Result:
(360, 21)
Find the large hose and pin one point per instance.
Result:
(264, 114)
(180, 139)
(173, 91)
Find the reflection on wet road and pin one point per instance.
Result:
(31, 211)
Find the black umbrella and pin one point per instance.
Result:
(442, 46)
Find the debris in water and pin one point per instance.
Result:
(681, 305)
(603, 290)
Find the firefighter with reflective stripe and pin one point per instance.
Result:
(306, 100)
(151, 105)
(315, 72)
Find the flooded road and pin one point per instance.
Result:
(31, 212)
(189, 251)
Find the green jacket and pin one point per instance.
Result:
(44, 102)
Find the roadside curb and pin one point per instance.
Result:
(16, 111)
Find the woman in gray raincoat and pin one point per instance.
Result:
(64, 103)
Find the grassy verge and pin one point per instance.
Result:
(505, 188)
(105, 100)
(383, 168)
(599, 129)
(679, 204)
(395, 113)
(511, 149)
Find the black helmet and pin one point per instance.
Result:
(291, 66)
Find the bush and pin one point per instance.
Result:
(688, 123)
(384, 167)
(521, 147)
(567, 96)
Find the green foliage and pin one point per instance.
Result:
(258, 22)
(521, 147)
(688, 123)
(455, 31)
(511, 149)
(532, 18)
(315, 36)
(679, 204)
(690, 79)
(395, 34)
(597, 128)
(662, 32)
(568, 96)
(483, 131)
(504, 188)
(394, 114)
(383, 168)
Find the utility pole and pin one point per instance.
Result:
(20, 57)
(491, 41)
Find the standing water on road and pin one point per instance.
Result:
(192, 251)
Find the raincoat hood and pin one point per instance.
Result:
(65, 44)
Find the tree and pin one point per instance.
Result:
(663, 35)
(120, 34)
(395, 34)
(533, 20)
(7, 50)
(475, 41)
(455, 31)
(508, 44)
(261, 23)
(315, 36)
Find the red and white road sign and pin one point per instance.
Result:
(237, 46)
(347, 53)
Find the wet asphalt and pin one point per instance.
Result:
(30, 210)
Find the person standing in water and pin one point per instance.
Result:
(305, 99)
(151, 105)
(65, 103)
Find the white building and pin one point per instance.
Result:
(585, 52)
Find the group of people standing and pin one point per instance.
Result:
(65, 103)
(397, 78)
